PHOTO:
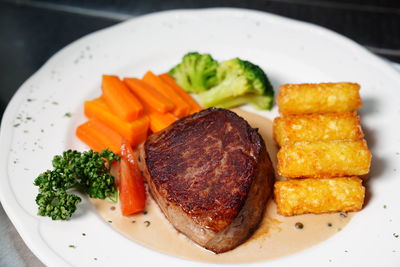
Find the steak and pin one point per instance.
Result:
(211, 176)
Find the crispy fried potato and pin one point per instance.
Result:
(316, 127)
(295, 197)
(321, 159)
(279, 132)
(318, 98)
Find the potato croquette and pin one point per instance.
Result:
(295, 197)
(322, 159)
(318, 98)
(316, 127)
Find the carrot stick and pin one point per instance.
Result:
(181, 107)
(149, 95)
(195, 107)
(86, 134)
(120, 100)
(159, 121)
(135, 132)
(132, 194)
(98, 136)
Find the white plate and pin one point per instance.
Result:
(289, 51)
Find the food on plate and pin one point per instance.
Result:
(316, 127)
(181, 108)
(208, 170)
(159, 121)
(227, 84)
(194, 107)
(131, 107)
(117, 96)
(132, 194)
(196, 72)
(320, 136)
(324, 159)
(300, 196)
(318, 98)
(88, 172)
(99, 136)
(149, 95)
(211, 176)
(120, 119)
(135, 132)
(239, 82)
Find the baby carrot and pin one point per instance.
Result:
(135, 132)
(98, 136)
(158, 121)
(149, 95)
(189, 100)
(181, 107)
(120, 100)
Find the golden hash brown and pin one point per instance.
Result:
(300, 196)
(278, 131)
(315, 127)
(318, 98)
(321, 159)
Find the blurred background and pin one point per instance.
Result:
(32, 31)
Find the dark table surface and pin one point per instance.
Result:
(32, 31)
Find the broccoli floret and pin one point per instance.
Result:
(239, 82)
(196, 72)
(88, 172)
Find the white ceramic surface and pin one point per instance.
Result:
(34, 127)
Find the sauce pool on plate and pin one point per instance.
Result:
(277, 236)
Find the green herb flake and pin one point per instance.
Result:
(384, 206)
(396, 235)
(72, 246)
(16, 125)
(95, 259)
(110, 221)
(55, 103)
(147, 223)
(28, 118)
(83, 234)
(68, 114)
(29, 100)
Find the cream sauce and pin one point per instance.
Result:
(276, 237)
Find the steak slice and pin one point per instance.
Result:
(211, 175)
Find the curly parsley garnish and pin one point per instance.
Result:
(87, 172)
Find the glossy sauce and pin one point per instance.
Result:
(276, 237)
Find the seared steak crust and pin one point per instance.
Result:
(209, 172)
